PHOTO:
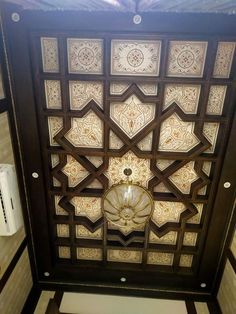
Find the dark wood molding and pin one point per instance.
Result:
(3, 105)
(52, 307)
(32, 300)
(190, 307)
(54, 304)
(9, 106)
(128, 291)
(231, 259)
(12, 264)
(58, 297)
(214, 307)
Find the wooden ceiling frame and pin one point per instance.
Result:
(115, 238)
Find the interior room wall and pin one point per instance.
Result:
(15, 272)
(227, 291)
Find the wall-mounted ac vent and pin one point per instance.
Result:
(10, 206)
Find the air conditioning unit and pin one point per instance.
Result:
(10, 206)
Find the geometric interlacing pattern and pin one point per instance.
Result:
(132, 112)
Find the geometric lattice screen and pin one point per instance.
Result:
(156, 106)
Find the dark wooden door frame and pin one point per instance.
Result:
(17, 40)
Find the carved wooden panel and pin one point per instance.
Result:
(167, 131)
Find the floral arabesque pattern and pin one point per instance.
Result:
(186, 59)
(132, 115)
(85, 55)
(130, 57)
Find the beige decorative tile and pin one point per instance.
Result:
(132, 115)
(169, 238)
(83, 232)
(184, 177)
(186, 260)
(159, 258)
(85, 55)
(167, 212)
(55, 125)
(196, 219)
(114, 141)
(206, 167)
(95, 184)
(161, 188)
(86, 131)
(210, 131)
(95, 160)
(162, 164)
(177, 135)
(49, 49)
(53, 94)
(184, 95)
(140, 169)
(64, 252)
(146, 143)
(82, 92)
(224, 59)
(148, 89)
(135, 57)
(54, 160)
(190, 238)
(125, 256)
(216, 99)
(63, 230)
(89, 254)
(89, 207)
(59, 210)
(74, 171)
(56, 182)
(186, 58)
(118, 88)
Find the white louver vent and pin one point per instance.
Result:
(10, 207)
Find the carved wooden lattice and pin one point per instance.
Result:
(152, 105)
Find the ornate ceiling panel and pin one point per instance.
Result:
(140, 169)
(132, 115)
(165, 212)
(81, 93)
(50, 58)
(53, 94)
(86, 131)
(224, 58)
(186, 58)
(130, 57)
(85, 55)
(185, 96)
(125, 256)
(177, 135)
(155, 106)
(55, 124)
(157, 258)
(89, 254)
